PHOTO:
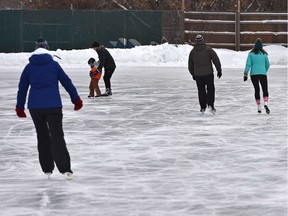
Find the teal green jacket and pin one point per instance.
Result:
(258, 64)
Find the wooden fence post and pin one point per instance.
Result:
(237, 27)
(183, 22)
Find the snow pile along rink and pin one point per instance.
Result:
(164, 55)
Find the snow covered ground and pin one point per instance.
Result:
(165, 55)
(147, 150)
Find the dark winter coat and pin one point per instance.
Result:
(42, 75)
(105, 58)
(200, 60)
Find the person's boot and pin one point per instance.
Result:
(108, 92)
(259, 108)
(48, 174)
(212, 109)
(266, 109)
(202, 110)
(266, 105)
(68, 175)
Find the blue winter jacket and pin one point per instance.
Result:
(258, 64)
(42, 75)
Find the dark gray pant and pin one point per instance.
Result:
(206, 90)
(262, 79)
(50, 137)
(107, 77)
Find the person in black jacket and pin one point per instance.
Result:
(200, 67)
(106, 61)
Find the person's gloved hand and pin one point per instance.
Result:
(245, 77)
(219, 74)
(96, 72)
(20, 112)
(78, 104)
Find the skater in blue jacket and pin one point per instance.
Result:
(258, 64)
(42, 74)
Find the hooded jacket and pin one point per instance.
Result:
(200, 60)
(43, 74)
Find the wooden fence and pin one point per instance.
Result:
(236, 31)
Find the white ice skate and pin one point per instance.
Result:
(259, 108)
(48, 174)
(68, 175)
(212, 109)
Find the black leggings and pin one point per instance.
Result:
(50, 137)
(264, 84)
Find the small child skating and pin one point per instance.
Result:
(95, 77)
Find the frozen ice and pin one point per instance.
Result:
(148, 151)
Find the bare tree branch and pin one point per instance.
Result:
(252, 3)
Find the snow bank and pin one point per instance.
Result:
(147, 56)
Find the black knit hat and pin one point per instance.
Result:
(258, 44)
(199, 39)
(95, 44)
(91, 61)
(41, 43)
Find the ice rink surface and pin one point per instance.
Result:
(148, 151)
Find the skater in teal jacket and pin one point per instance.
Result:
(258, 64)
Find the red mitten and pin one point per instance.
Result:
(20, 112)
(78, 104)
